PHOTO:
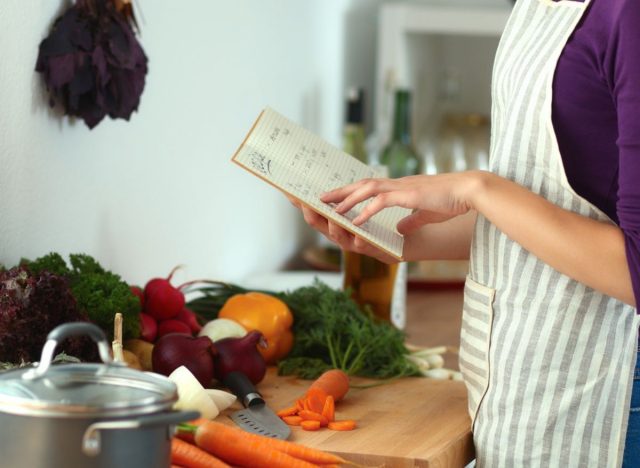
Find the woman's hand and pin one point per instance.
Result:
(343, 238)
(433, 199)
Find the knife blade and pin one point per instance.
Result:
(256, 417)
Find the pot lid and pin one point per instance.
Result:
(82, 390)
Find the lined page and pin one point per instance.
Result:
(304, 166)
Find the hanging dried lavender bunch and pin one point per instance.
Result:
(92, 62)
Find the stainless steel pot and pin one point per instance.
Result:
(86, 415)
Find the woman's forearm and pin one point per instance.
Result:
(449, 240)
(589, 251)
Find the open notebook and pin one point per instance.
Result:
(304, 166)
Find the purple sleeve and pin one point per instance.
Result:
(623, 61)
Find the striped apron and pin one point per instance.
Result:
(547, 361)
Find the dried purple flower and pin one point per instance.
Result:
(92, 62)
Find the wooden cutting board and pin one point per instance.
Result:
(409, 422)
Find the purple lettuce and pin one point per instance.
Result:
(92, 63)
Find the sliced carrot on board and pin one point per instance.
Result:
(344, 425)
(315, 399)
(313, 416)
(287, 411)
(310, 425)
(292, 420)
(329, 409)
(300, 404)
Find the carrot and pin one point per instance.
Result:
(300, 404)
(344, 425)
(310, 425)
(334, 382)
(188, 436)
(292, 420)
(287, 411)
(240, 449)
(218, 434)
(190, 456)
(313, 416)
(329, 409)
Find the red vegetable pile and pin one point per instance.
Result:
(163, 310)
(166, 322)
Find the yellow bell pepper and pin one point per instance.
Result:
(269, 315)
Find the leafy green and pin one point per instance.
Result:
(99, 293)
(332, 331)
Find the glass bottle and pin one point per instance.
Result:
(399, 155)
(374, 283)
(371, 281)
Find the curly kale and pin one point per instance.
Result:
(99, 293)
(31, 305)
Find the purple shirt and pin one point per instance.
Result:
(596, 116)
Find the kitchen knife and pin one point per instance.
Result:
(257, 417)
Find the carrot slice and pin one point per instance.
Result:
(300, 404)
(315, 399)
(292, 420)
(313, 416)
(329, 409)
(310, 425)
(344, 425)
(287, 411)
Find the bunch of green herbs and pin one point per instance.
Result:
(98, 292)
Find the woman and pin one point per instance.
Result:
(550, 329)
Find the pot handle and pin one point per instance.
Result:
(62, 332)
(91, 437)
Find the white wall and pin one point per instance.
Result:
(159, 190)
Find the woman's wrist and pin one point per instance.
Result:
(476, 189)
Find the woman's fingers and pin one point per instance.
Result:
(340, 194)
(315, 220)
(384, 200)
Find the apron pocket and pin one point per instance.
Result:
(475, 339)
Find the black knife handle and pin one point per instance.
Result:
(243, 388)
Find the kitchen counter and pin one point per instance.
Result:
(409, 422)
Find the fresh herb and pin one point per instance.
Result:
(99, 293)
(332, 331)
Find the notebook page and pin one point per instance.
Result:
(303, 165)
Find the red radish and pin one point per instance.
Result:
(188, 316)
(139, 293)
(148, 327)
(173, 326)
(161, 300)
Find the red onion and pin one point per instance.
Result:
(241, 354)
(178, 349)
